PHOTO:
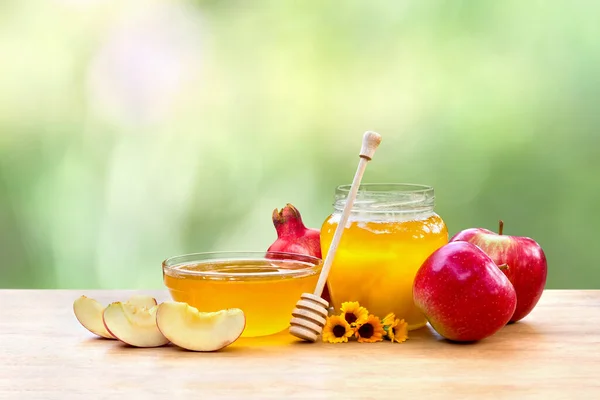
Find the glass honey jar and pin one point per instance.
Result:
(391, 230)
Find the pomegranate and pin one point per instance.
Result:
(294, 237)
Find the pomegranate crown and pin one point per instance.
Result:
(288, 221)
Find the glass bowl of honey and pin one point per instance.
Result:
(265, 285)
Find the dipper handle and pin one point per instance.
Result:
(310, 314)
(371, 141)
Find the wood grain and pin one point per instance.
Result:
(553, 354)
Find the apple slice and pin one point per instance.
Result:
(135, 326)
(89, 314)
(191, 329)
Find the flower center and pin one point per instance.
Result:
(366, 331)
(338, 331)
(350, 318)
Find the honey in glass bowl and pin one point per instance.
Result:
(266, 286)
(392, 229)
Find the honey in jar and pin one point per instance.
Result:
(391, 230)
(265, 288)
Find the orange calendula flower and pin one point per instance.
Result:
(337, 330)
(396, 330)
(353, 313)
(370, 331)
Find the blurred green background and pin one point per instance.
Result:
(134, 131)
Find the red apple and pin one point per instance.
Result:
(525, 262)
(463, 294)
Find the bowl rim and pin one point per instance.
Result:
(169, 264)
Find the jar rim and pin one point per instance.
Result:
(386, 198)
(387, 188)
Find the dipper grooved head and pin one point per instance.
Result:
(309, 319)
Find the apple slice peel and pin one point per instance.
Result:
(190, 329)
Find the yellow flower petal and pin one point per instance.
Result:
(388, 320)
(370, 331)
(353, 313)
(336, 330)
(398, 331)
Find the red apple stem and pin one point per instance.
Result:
(501, 227)
(503, 267)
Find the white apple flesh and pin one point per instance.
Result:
(190, 329)
(89, 314)
(142, 301)
(135, 326)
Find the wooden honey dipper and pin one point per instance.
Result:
(309, 316)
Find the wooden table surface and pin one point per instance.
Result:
(46, 354)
